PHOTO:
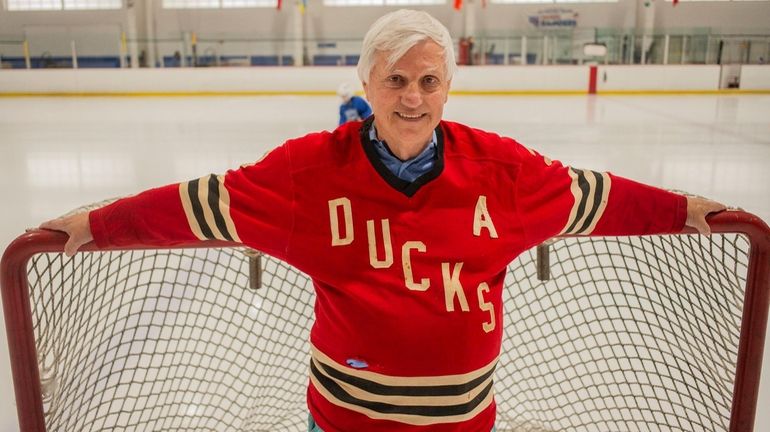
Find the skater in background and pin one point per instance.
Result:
(353, 108)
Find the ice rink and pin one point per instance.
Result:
(61, 153)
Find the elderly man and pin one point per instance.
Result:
(406, 224)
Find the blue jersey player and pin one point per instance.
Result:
(353, 107)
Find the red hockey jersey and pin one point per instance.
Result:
(408, 276)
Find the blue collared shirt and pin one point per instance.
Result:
(408, 170)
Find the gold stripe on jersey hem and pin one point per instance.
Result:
(390, 380)
(412, 400)
(402, 399)
(411, 419)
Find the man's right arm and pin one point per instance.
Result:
(250, 205)
(76, 226)
(154, 217)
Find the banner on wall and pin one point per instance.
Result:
(554, 18)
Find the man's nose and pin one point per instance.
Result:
(411, 97)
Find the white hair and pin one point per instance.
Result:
(397, 32)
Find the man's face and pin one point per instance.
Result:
(408, 98)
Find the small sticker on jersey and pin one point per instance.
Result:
(357, 364)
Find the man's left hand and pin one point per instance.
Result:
(698, 209)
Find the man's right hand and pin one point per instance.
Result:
(76, 226)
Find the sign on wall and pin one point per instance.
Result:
(554, 18)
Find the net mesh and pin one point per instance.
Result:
(629, 333)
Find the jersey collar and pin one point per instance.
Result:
(403, 186)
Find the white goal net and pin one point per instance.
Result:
(615, 334)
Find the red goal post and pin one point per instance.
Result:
(29, 316)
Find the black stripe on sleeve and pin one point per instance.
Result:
(192, 192)
(598, 192)
(213, 199)
(584, 189)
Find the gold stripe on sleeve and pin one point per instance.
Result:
(184, 196)
(203, 197)
(224, 208)
(602, 205)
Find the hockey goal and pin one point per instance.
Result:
(655, 333)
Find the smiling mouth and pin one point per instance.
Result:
(410, 117)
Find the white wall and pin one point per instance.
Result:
(521, 78)
(658, 78)
(177, 80)
(52, 31)
(755, 77)
(352, 22)
(732, 16)
(325, 80)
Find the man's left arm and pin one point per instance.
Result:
(697, 210)
(637, 208)
(561, 200)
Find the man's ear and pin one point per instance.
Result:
(448, 87)
(366, 89)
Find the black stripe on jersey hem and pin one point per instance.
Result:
(213, 199)
(192, 193)
(584, 189)
(384, 408)
(403, 186)
(598, 192)
(387, 390)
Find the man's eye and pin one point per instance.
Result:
(394, 79)
(430, 81)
